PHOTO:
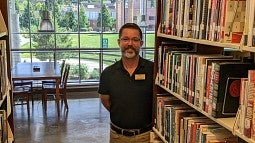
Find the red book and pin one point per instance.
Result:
(248, 123)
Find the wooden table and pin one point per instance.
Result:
(39, 71)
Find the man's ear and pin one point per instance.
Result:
(118, 42)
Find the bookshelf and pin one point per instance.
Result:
(163, 36)
(5, 100)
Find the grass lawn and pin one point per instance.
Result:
(88, 40)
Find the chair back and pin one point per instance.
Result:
(62, 67)
(22, 86)
(65, 76)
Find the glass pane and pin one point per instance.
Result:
(43, 56)
(20, 57)
(110, 40)
(89, 65)
(110, 57)
(79, 33)
(90, 40)
(66, 41)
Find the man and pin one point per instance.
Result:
(125, 90)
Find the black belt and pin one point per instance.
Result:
(130, 132)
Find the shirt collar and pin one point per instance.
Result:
(140, 64)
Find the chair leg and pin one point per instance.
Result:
(65, 100)
(28, 108)
(44, 100)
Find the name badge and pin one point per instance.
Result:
(139, 76)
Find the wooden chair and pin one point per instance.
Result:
(21, 92)
(50, 89)
(62, 67)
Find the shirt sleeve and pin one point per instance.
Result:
(103, 85)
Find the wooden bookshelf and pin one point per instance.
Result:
(227, 123)
(3, 28)
(6, 99)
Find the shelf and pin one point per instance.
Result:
(227, 123)
(249, 49)
(161, 137)
(4, 98)
(3, 28)
(198, 41)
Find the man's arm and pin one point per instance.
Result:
(105, 99)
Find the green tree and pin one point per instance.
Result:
(69, 21)
(57, 12)
(84, 21)
(27, 18)
(107, 20)
(46, 41)
(80, 71)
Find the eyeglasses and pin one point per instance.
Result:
(134, 40)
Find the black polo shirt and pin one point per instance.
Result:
(130, 96)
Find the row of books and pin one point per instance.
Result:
(207, 80)
(214, 20)
(246, 116)
(3, 126)
(3, 71)
(249, 28)
(178, 123)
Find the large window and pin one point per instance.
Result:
(84, 33)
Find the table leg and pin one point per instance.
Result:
(58, 96)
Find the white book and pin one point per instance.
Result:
(167, 14)
(180, 18)
(186, 18)
(251, 22)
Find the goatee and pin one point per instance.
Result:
(130, 52)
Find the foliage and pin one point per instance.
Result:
(94, 74)
(25, 21)
(46, 42)
(69, 21)
(84, 21)
(106, 18)
(81, 71)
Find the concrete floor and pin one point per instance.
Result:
(86, 121)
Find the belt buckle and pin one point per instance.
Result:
(132, 131)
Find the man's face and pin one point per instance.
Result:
(130, 43)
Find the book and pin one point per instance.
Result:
(170, 120)
(200, 80)
(205, 128)
(223, 71)
(162, 102)
(168, 16)
(178, 115)
(164, 52)
(4, 132)
(195, 125)
(208, 19)
(251, 23)
(220, 134)
(249, 117)
(207, 82)
(184, 127)
(202, 26)
(188, 15)
(242, 104)
(246, 24)
(232, 96)
(233, 22)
